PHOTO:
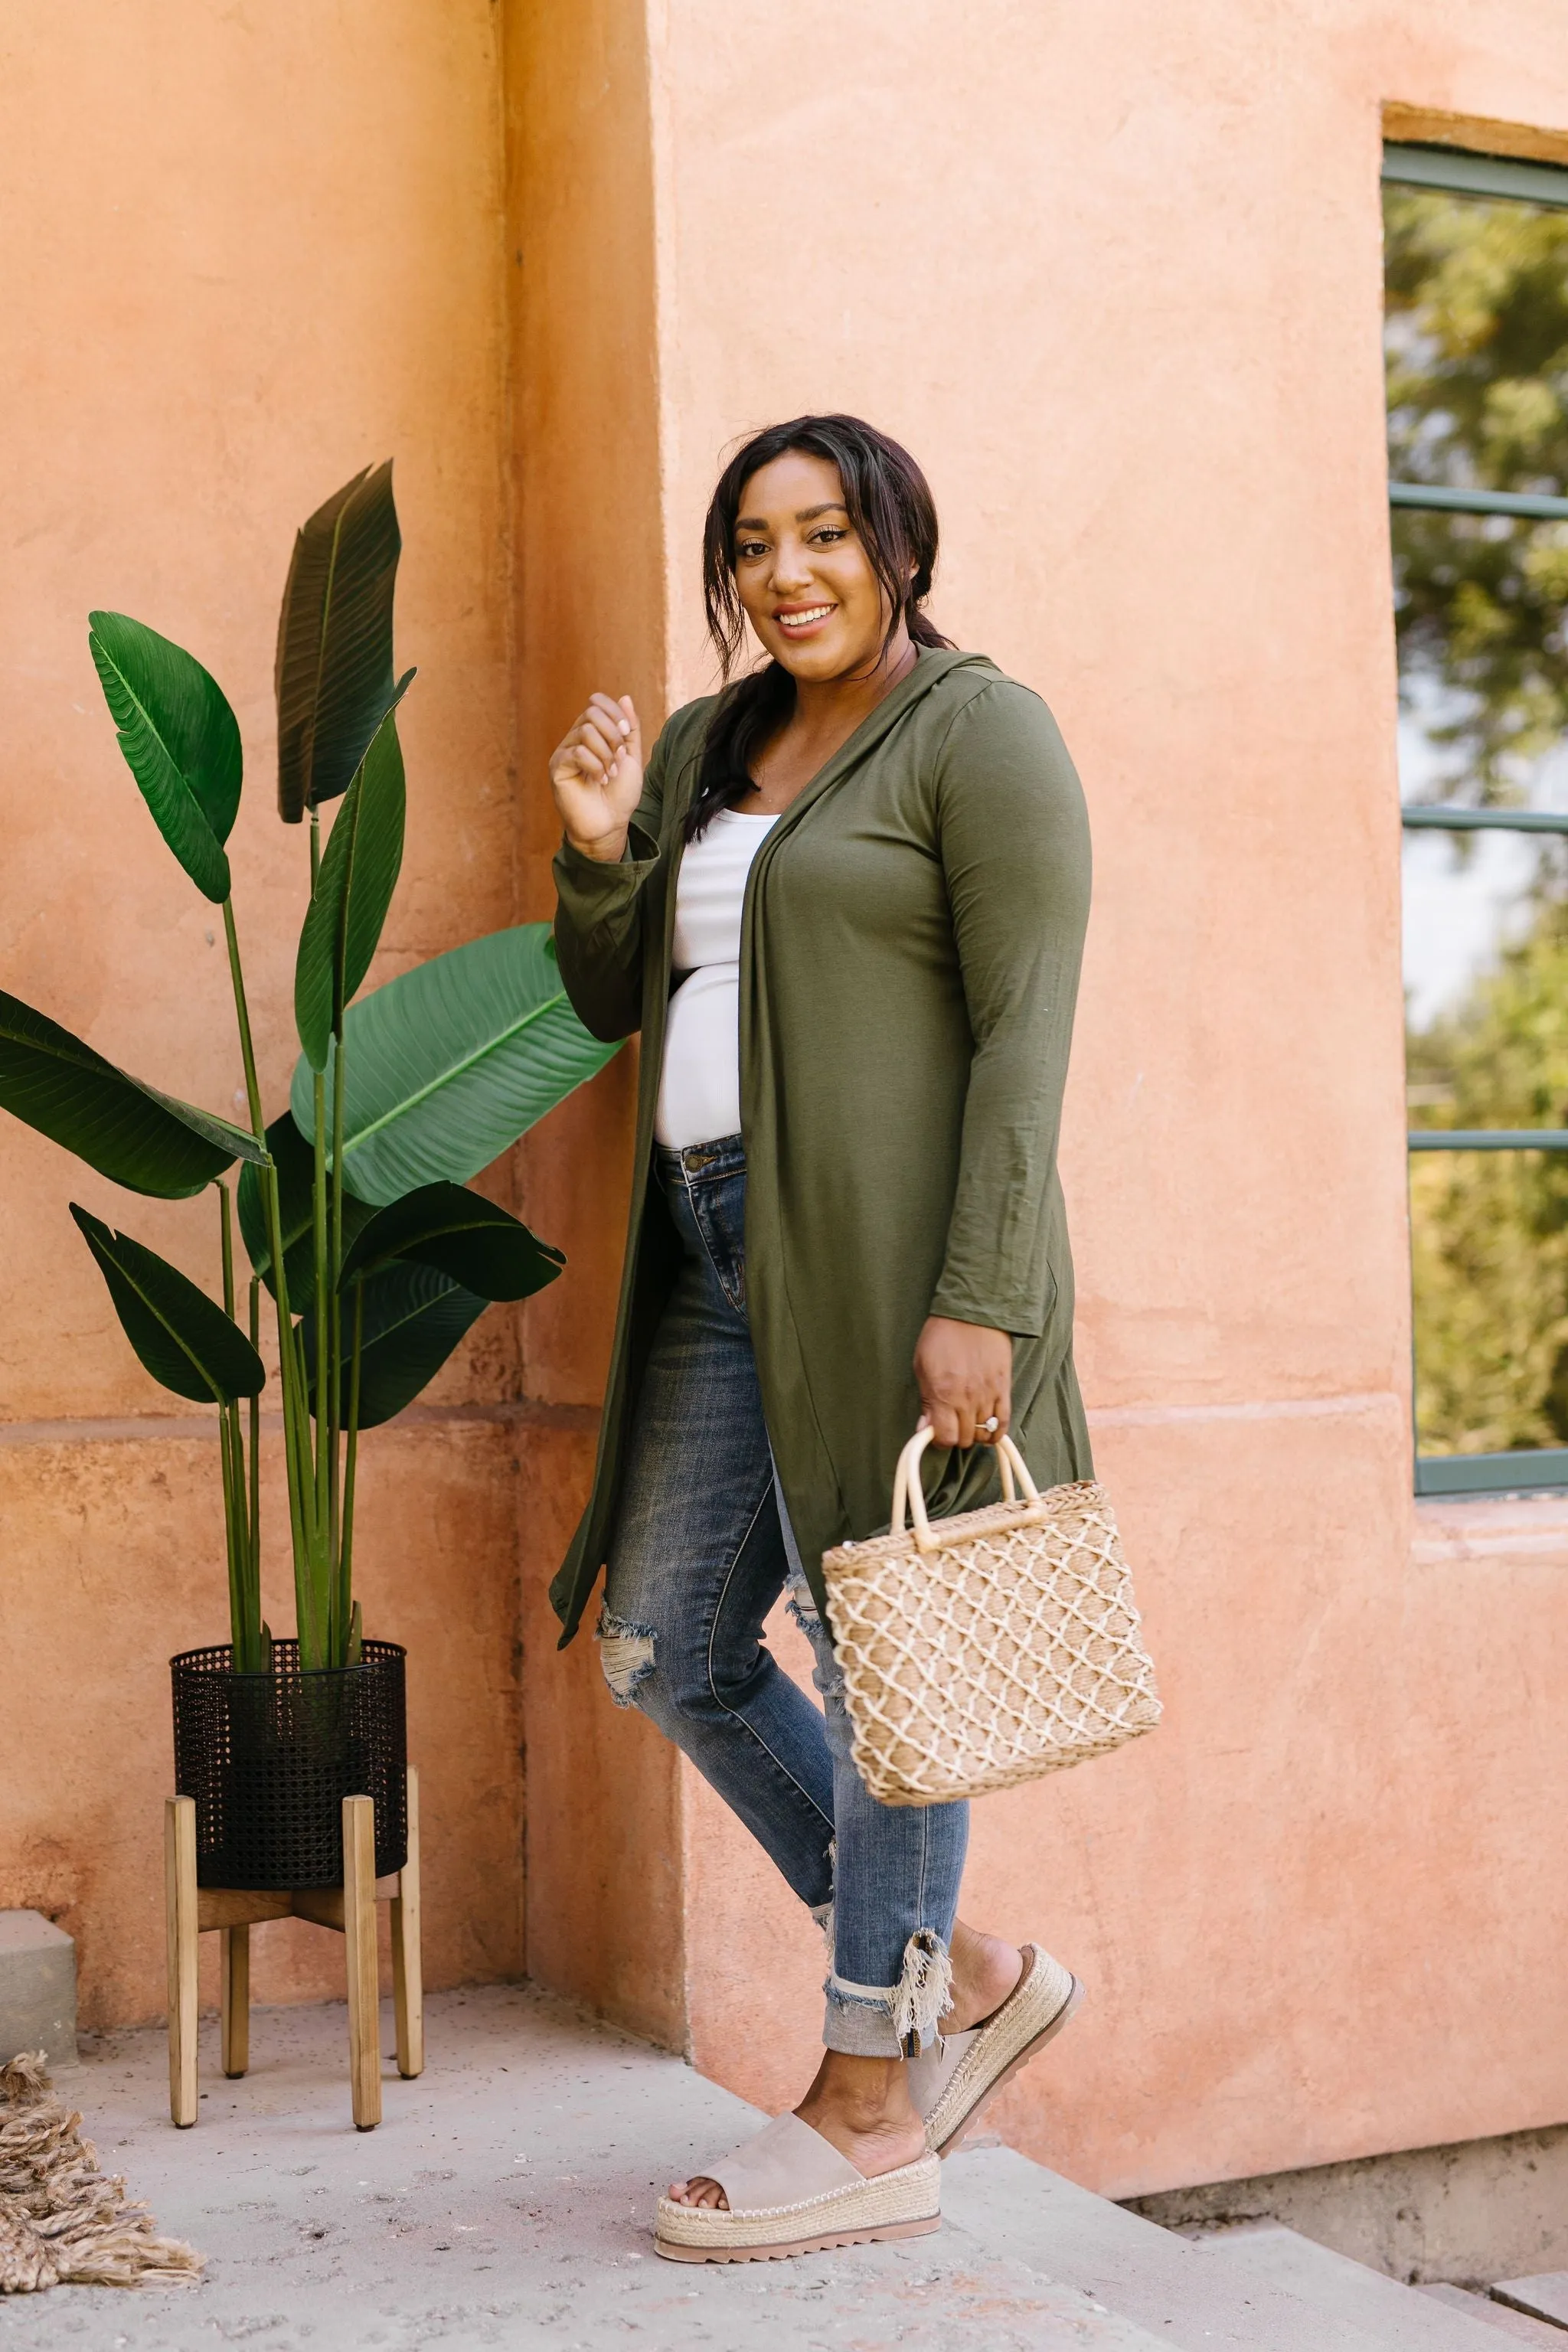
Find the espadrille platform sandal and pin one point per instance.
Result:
(952, 2083)
(791, 2192)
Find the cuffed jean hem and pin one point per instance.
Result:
(892, 2020)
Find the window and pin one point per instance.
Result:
(1475, 340)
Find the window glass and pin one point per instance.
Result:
(1483, 926)
(1486, 955)
(1477, 358)
(1477, 340)
(1489, 1255)
(1480, 605)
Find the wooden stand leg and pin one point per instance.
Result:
(233, 1911)
(180, 1924)
(407, 1975)
(236, 1943)
(359, 1938)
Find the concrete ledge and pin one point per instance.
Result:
(37, 1989)
(1474, 2211)
(1348, 2293)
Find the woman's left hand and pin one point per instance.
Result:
(965, 1375)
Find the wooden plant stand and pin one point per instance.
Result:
(351, 1909)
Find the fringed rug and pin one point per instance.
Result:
(62, 2222)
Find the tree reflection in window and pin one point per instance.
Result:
(1476, 361)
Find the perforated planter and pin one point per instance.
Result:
(269, 1758)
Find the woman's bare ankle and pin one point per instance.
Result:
(863, 2108)
(985, 1971)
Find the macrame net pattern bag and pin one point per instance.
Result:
(991, 1647)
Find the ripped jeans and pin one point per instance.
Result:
(701, 1550)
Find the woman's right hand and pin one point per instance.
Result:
(595, 774)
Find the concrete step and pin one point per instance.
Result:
(1347, 2292)
(507, 2198)
(37, 1989)
(1181, 2293)
(1500, 2316)
(1545, 2298)
(505, 2205)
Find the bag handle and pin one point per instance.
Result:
(909, 1494)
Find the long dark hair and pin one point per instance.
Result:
(894, 515)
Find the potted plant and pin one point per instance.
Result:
(353, 1204)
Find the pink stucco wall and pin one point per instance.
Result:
(246, 252)
(1114, 275)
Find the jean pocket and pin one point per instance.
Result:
(720, 1210)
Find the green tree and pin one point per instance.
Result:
(1477, 358)
(1490, 1229)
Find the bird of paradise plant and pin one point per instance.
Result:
(354, 1203)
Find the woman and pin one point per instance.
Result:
(844, 905)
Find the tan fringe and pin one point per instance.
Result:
(62, 2221)
(923, 1994)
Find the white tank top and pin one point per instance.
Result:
(700, 1084)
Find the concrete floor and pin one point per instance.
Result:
(506, 2199)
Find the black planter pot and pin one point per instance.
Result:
(269, 1759)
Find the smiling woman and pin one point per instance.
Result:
(844, 905)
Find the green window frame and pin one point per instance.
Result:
(1463, 173)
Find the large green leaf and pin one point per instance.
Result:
(333, 673)
(180, 739)
(353, 892)
(414, 1317)
(184, 1340)
(449, 1063)
(148, 1141)
(295, 1161)
(462, 1235)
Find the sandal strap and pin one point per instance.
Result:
(933, 2070)
(783, 2164)
(1039, 2004)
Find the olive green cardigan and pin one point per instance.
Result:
(909, 957)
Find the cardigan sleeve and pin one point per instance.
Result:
(1014, 837)
(601, 908)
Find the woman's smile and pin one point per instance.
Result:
(798, 619)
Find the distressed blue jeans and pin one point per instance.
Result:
(701, 1550)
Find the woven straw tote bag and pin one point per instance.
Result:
(993, 1647)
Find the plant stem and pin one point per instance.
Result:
(226, 1227)
(335, 1485)
(242, 1014)
(321, 1309)
(255, 1448)
(345, 1560)
(236, 1589)
(334, 1400)
(239, 1614)
(244, 1595)
(310, 1627)
(296, 1446)
(245, 1549)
